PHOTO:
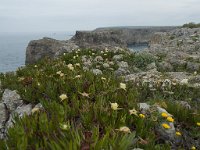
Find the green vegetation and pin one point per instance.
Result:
(80, 110)
(191, 25)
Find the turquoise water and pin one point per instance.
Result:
(137, 47)
(13, 47)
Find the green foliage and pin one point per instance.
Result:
(85, 119)
(191, 25)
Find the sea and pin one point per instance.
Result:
(13, 47)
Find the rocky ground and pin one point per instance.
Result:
(106, 99)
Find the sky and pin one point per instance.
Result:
(71, 15)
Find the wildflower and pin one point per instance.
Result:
(166, 126)
(65, 126)
(198, 123)
(21, 79)
(70, 66)
(123, 86)
(133, 112)
(38, 84)
(35, 66)
(102, 78)
(105, 54)
(193, 148)
(64, 54)
(184, 81)
(170, 119)
(74, 57)
(58, 72)
(63, 97)
(84, 94)
(78, 76)
(93, 53)
(195, 73)
(165, 115)
(124, 129)
(178, 133)
(114, 106)
(142, 115)
(102, 52)
(77, 64)
(34, 110)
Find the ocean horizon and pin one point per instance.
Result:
(13, 47)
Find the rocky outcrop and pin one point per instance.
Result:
(47, 47)
(12, 105)
(100, 39)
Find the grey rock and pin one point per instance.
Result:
(151, 66)
(11, 99)
(122, 71)
(3, 115)
(97, 71)
(144, 107)
(165, 66)
(122, 64)
(23, 110)
(191, 66)
(47, 47)
(98, 59)
(106, 65)
(118, 57)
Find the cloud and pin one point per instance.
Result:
(43, 15)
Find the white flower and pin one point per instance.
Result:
(124, 129)
(133, 112)
(77, 64)
(64, 54)
(78, 76)
(34, 110)
(184, 81)
(123, 86)
(115, 106)
(195, 73)
(70, 66)
(63, 97)
(35, 66)
(102, 78)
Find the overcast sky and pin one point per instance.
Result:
(70, 15)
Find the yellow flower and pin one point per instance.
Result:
(125, 129)
(178, 133)
(165, 115)
(70, 66)
(114, 106)
(142, 115)
(123, 86)
(63, 97)
(166, 126)
(133, 112)
(193, 148)
(170, 119)
(198, 123)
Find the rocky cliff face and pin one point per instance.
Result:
(111, 38)
(47, 47)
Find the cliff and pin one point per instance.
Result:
(100, 39)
